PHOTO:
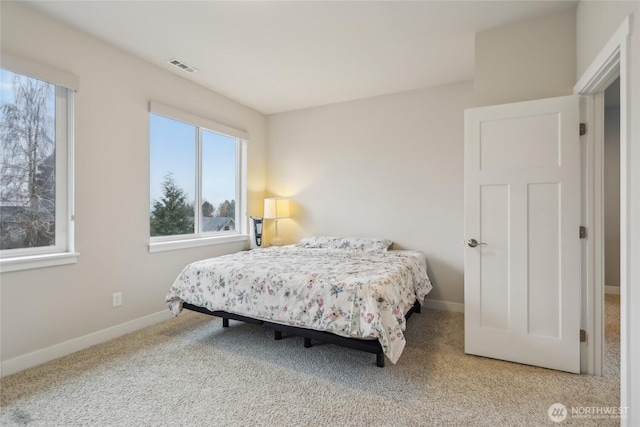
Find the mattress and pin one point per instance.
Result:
(356, 294)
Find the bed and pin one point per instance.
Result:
(353, 292)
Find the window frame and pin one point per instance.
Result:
(198, 238)
(63, 251)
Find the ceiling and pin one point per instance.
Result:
(281, 56)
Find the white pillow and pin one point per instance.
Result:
(318, 242)
(362, 244)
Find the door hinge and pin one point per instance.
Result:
(583, 129)
(583, 232)
(583, 335)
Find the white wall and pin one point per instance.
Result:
(596, 21)
(388, 167)
(49, 306)
(527, 60)
(347, 166)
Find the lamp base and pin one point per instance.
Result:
(276, 242)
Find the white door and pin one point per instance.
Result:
(522, 207)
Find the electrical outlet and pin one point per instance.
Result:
(117, 299)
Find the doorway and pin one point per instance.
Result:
(611, 208)
(612, 62)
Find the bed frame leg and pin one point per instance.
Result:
(278, 335)
(380, 360)
(307, 343)
(225, 323)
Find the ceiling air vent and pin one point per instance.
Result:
(184, 67)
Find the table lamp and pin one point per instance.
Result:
(276, 208)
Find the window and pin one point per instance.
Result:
(196, 180)
(36, 225)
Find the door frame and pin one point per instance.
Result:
(611, 62)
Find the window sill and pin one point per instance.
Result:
(37, 261)
(172, 245)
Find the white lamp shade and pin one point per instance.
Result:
(276, 208)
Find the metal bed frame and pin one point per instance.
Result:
(369, 346)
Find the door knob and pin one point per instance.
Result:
(473, 243)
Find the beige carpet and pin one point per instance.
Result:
(190, 372)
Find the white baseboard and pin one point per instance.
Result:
(444, 305)
(615, 290)
(48, 354)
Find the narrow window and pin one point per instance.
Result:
(35, 201)
(173, 176)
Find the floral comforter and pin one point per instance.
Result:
(348, 293)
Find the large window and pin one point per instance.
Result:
(35, 196)
(196, 176)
